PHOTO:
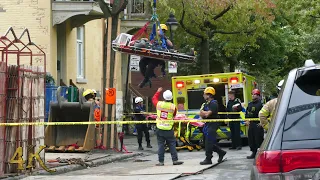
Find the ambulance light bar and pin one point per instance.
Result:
(180, 84)
(234, 80)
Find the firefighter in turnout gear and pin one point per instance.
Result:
(234, 105)
(255, 132)
(165, 134)
(141, 128)
(210, 111)
(268, 109)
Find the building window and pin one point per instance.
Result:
(80, 53)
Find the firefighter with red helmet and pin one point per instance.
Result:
(255, 132)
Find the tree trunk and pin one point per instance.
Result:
(205, 64)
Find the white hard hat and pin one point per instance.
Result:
(280, 84)
(167, 95)
(94, 91)
(138, 99)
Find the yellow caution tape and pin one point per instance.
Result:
(121, 122)
(191, 113)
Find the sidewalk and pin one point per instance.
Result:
(78, 161)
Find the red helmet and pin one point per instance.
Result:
(256, 91)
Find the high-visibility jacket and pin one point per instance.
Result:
(267, 111)
(165, 111)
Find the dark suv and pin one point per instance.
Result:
(291, 149)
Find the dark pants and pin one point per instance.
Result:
(142, 128)
(211, 145)
(235, 134)
(255, 136)
(166, 137)
(147, 67)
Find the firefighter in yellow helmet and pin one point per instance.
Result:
(210, 111)
(88, 95)
(164, 29)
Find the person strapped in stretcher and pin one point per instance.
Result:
(146, 64)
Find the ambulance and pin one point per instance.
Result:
(188, 95)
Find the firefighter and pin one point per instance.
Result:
(166, 110)
(147, 65)
(88, 95)
(141, 128)
(95, 97)
(255, 132)
(234, 105)
(268, 109)
(210, 111)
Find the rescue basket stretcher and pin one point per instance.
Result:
(123, 41)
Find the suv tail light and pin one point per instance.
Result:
(278, 162)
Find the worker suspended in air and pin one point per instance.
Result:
(147, 65)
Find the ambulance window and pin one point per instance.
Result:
(303, 114)
(195, 98)
(239, 94)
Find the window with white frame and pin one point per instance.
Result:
(80, 53)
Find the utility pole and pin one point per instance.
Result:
(111, 13)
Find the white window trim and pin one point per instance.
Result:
(81, 66)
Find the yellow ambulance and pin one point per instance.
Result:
(188, 94)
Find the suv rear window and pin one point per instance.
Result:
(303, 115)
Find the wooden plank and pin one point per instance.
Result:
(105, 129)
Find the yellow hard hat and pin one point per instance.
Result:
(164, 27)
(210, 90)
(87, 92)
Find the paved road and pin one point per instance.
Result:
(236, 167)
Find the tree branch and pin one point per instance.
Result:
(210, 25)
(116, 11)
(184, 27)
(232, 32)
(222, 12)
(105, 8)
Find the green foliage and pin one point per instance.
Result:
(266, 39)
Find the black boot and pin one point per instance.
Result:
(206, 162)
(252, 156)
(221, 154)
(140, 147)
(141, 85)
(149, 145)
(177, 162)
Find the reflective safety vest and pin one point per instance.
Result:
(165, 111)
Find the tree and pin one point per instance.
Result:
(231, 22)
(116, 8)
(282, 49)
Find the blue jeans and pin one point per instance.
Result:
(166, 137)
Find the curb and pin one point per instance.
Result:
(75, 167)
